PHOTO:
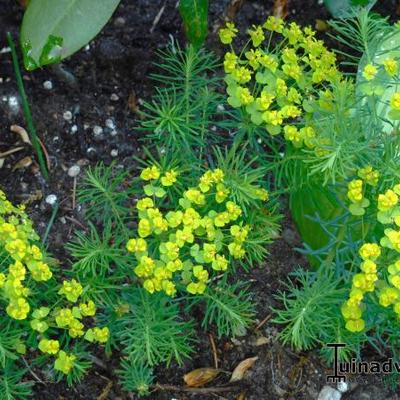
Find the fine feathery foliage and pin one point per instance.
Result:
(310, 309)
(360, 33)
(9, 340)
(182, 112)
(11, 385)
(228, 308)
(103, 193)
(152, 332)
(135, 377)
(96, 254)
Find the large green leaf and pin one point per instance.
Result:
(195, 19)
(342, 8)
(54, 29)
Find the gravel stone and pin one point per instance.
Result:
(110, 123)
(97, 130)
(343, 387)
(67, 115)
(48, 85)
(329, 393)
(74, 171)
(51, 199)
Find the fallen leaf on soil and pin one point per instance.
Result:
(106, 392)
(24, 163)
(21, 132)
(233, 8)
(133, 103)
(9, 152)
(281, 8)
(241, 396)
(261, 341)
(199, 377)
(35, 196)
(241, 369)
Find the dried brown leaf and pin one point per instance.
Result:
(281, 8)
(35, 196)
(21, 132)
(133, 102)
(24, 163)
(200, 376)
(106, 391)
(9, 152)
(242, 396)
(261, 341)
(233, 8)
(241, 369)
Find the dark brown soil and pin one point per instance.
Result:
(112, 73)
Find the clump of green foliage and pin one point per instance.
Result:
(38, 313)
(149, 327)
(338, 164)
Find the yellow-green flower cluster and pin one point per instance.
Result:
(272, 85)
(362, 283)
(182, 246)
(356, 188)
(376, 278)
(389, 66)
(17, 239)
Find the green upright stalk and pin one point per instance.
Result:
(51, 222)
(26, 108)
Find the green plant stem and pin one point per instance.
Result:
(26, 108)
(51, 222)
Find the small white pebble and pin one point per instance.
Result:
(110, 123)
(114, 97)
(91, 150)
(5, 50)
(120, 21)
(97, 130)
(13, 103)
(114, 153)
(220, 107)
(87, 47)
(1, 80)
(259, 141)
(63, 220)
(74, 171)
(113, 132)
(343, 387)
(48, 85)
(67, 115)
(4, 98)
(51, 199)
(86, 126)
(55, 138)
(74, 129)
